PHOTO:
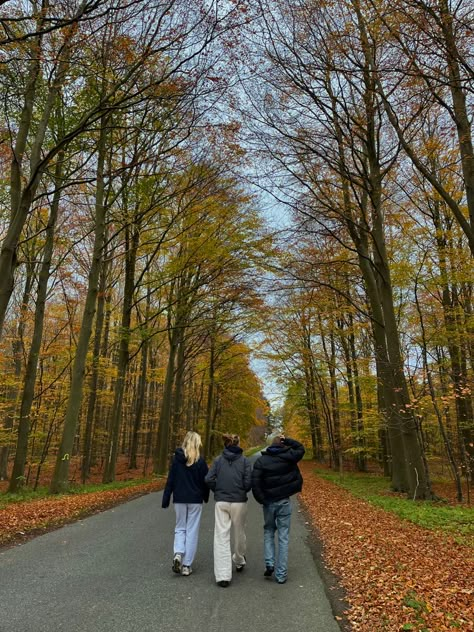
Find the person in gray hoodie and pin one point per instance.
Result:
(230, 478)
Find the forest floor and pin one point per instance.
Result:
(21, 520)
(397, 575)
(30, 513)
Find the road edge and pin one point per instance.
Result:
(22, 538)
(336, 594)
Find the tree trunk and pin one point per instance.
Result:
(359, 230)
(18, 352)
(463, 401)
(178, 403)
(131, 244)
(429, 379)
(335, 400)
(210, 401)
(461, 116)
(141, 394)
(311, 396)
(162, 449)
(355, 397)
(362, 461)
(94, 377)
(37, 337)
(59, 482)
(326, 408)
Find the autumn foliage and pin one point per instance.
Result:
(21, 520)
(397, 576)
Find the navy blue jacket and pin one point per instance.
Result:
(275, 474)
(230, 476)
(186, 483)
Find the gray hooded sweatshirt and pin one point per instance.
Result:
(230, 476)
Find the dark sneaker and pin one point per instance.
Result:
(224, 583)
(269, 571)
(177, 563)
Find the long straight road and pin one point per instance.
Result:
(112, 573)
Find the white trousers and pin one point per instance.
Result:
(230, 520)
(186, 531)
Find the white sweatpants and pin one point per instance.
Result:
(186, 531)
(229, 517)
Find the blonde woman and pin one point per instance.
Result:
(186, 482)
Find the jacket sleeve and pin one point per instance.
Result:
(296, 449)
(247, 475)
(257, 482)
(211, 476)
(165, 502)
(205, 488)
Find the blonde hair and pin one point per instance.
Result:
(191, 444)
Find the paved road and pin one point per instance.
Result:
(112, 573)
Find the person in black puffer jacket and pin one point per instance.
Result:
(276, 477)
(230, 480)
(186, 482)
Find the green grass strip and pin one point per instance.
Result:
(254, 450)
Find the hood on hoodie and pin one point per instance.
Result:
(232, 452)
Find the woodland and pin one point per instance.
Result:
(191, 190)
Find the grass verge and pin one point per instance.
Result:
(254, 450)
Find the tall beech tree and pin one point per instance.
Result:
(333, 132)
(17, 476)
(60, 479)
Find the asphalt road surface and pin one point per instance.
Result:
(112, 573)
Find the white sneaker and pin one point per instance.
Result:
(187, 570)
(177, 563)
(240, 567)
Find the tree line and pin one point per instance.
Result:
(136, 262)
(129, 248)
(361, 113)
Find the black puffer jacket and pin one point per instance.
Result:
(275, 474)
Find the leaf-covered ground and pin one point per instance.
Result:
(397, 575)
(23, 519)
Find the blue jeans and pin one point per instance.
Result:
(277, 518)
